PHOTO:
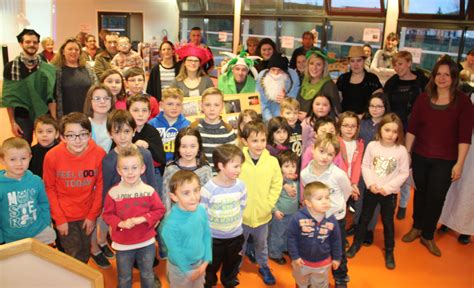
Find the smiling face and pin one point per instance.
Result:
(130, 169)
(124, 45)
(443, 78)
(211, 107)
(135, 84)
(376, 108)
(189, 148)
(48, 46)
(45, 134)
(240, 73)
(323, 156)
(91, 42)
(76, 138)
(166, 51)
(315, 67)
(16, 162)
(231, 170)
(192, 64)
(367, 51)
(301, 63)
(291, 116)
(266, 51)
(30, 45)
(187, 195)
(256, 142)
(402, 67)
(114, 83)
(307, 41)
(101, 102)
(71, 53)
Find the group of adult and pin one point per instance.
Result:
(437, 115)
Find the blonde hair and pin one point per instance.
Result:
(391, 118)
(212, 91)
(402, 55)
(131, 151)
(307, 76)
(312, 187)
(290, 104)
(171, 92)
(325, 140)
(59, 60)
(183, 73)
(46, 40)
(14, 143)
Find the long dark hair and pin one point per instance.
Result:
(382, 96)
(263, 42)
(188, 131)
(274, 124)
(172, 48)
(432, 89)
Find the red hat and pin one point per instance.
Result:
(203, 54)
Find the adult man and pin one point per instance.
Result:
(102, 60)
(195, 38)
(28, 86)
(234, 78)
(276, 83)
(307, 40)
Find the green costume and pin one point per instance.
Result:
(226, 84)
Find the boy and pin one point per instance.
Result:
(314, 240)
(170, 120)
(121, 127)
(126, 58)
(46, 130)
(72, 173)
(133, 226)
(262, 177)
(214, 131)
(322, 169)
(186, 233)
(24, 207)
(224, 198)
(135, 83)
(286, 206)
(289, 109)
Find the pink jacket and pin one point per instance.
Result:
(341, 160)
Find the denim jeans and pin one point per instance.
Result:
(405, 193)
(144, 257)
(277, 236)
(259, 235)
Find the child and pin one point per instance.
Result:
(24, 207)
(286, 206)
(214, 131)
(170, 120)
(321, 107)
(121, 127)
(46, 131)
(186, 233)
(262, 177)
(113, 80)
(321, 126)
(314, 239)
(224, 198)
(146, 136)
(132, 226)
(189, 156)
(278, 132)
(99, 102)
(244, 117)
(349, 158)
(126, 58)
(322, 169)
(135, 81)
(385, 168)
(72, 174)
(290, 108)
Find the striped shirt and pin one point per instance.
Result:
(166, 76)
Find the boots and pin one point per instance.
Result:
(411, 235)
(355, 247)
(431, 245)
(389, 259)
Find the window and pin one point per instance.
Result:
(296, 29)
(303, 5)
(259, 6)
(258, 28)
(189, 5)
(355, 7)
(220, 5)
(435, 7)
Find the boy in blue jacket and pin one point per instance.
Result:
(314, 241)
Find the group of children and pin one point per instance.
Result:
(200, 190)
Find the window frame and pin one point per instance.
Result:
(340, 12)
(421, 16)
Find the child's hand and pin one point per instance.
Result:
(198, 272)
(88, 226)
(374, 189)
(142, 143)
(279, 215)
(63, 229)
(335, 264)
(355, 192)
(298, 262)
(383, 192)
(126, 224)
(138, 220)
(290, 190)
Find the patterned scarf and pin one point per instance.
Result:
(30, 63)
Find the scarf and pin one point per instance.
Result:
(308, 90)
(30, 63)
(387, 58)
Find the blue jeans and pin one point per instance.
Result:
(159, 180)
(277, 236)
(259, 235)
(144, 257)
(405, 193)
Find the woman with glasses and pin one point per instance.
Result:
(74, 77)
(192, 78)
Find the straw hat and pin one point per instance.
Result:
(356, 51)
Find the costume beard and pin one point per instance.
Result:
(273, 85)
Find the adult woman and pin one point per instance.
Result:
(317, 81)
(73, 78)
(265, 49)
(368, 54)
(90, 49)
(252, 43)
(191, 77)
(439, 136)
(48, 49)
(163, 74)
(357, 85)
(382, 63)
(467, 64)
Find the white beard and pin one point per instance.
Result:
(274, 85)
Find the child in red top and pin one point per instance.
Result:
(72, 173)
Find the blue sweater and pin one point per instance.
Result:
(313, 241)
(168, 132)
(24, 207)
(187, 237)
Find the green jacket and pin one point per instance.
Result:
(226, 84)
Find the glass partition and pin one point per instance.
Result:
(220, 6)
(259, 28)
(190, 5)
(356, 7)
(435, 7)
(296, 29)
(304, 6)
(259, 6)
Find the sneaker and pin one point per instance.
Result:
(351, 209)
(353, 250)
(369, 238)
(411, 235)
(101, 261)
(108, 253)
(464, 239)
(267, 275)
(401, 213)
(389, 259)
(280, 261)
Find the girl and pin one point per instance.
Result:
(278, 135)
(351, 150)
(99, 102)
(385, 167)
(113, 80)
(321, 106)
(244, 117)
(188, 155)
(322, 126)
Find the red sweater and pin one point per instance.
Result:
(342, 162)
(74, 183)
(124, 202)
(439, 131)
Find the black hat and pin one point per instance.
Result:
(19, 37)
(279, 61)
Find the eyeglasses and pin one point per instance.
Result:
(376, 106)
(349, 126)
(101, 99)
(73, 137)
(192, 61)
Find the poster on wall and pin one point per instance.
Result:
(233, 105)
(415, 53)
(371, 35)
